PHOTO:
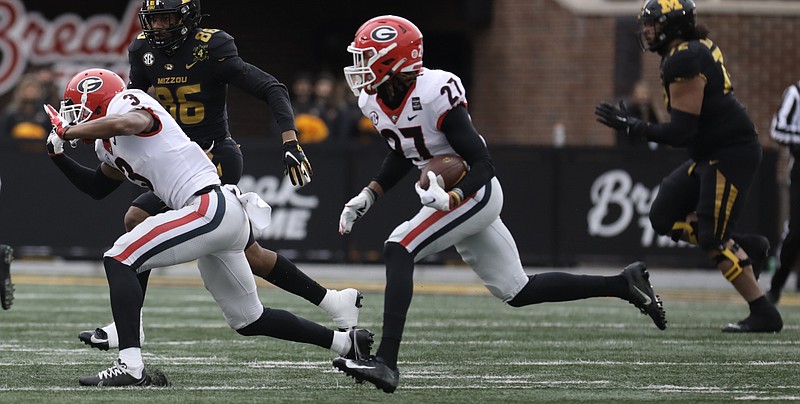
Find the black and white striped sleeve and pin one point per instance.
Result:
(785, 128)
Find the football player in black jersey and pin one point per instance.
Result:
(701, 200)
(189, 69)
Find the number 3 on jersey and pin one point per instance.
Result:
(184, 111)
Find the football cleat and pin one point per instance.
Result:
(641, 293)
(96, 339)
(117, 375)
(6, 287)
(753, 323)
(343, 307)
(361, 343)
(373, 370)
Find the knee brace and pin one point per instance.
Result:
(689, 228)
(738, 266)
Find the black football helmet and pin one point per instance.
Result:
(185, 16)
(675, 19)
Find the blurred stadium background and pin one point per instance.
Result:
(533, 70)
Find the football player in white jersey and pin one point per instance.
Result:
(173, 45)
(137, 139)
(423, 113)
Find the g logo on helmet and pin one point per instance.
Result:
(383, 33)
(90, 84)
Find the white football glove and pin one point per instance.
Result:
(55, 144)
(354, 209)
(435, 196)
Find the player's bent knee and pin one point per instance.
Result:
(261, 260)
(248, 330)
(133, 217)
(737, 265)
(686, 231)
(250, 327)
(394, 250)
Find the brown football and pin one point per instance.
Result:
(451, 167)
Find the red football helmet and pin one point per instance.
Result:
(383, 47)
(87, 95)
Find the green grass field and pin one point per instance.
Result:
(457, 348)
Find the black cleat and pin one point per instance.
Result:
(641, 293)
(362, 344)
(116, 376)
(373, 370)
(6, 287)
(752, 323)
(96, 339)
(757, 248)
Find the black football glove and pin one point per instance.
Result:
(619, 119)
(295, 164)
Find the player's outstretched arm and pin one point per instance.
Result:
(127, 124)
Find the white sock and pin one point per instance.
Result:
(113, 337)
(132, 358)
(341, 343)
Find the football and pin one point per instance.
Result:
(450, 169)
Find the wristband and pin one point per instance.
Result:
(372, 193)
(458, 194)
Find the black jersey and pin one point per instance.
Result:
(723, 119)
(192, 83)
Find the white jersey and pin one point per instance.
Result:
(166, 161)
(414, 128)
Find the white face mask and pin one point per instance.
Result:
(74, 114)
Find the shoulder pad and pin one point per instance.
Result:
(137, 43)
(219, 43)
(685, 61)
(431, 85)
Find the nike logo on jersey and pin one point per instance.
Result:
(410, 118)
(647, 299)
(712, 162)
(189, 66)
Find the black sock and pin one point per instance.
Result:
(761, 306)
(399, 290)
(562, 287)
(288, 277)
(126, 301)
(284, 325)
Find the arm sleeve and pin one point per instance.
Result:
(465, 140)
(262, 85)
(680, 131)
(92, 182)
(785, 127)
(395, 166)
